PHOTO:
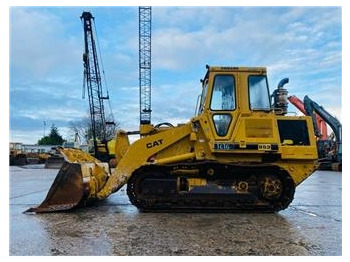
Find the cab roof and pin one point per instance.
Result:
(261, 70)
(236, 68)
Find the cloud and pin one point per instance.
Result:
(54, 114)
(238, 35)
(25, 136)
(40, 44)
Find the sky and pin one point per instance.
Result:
(46, 69)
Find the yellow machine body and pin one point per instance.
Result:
(233, 155)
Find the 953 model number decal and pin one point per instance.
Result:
(235, 146)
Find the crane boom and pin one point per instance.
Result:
(93, 83)
(145, 64)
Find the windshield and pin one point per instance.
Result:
(259, 98)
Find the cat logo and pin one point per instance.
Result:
(155, 143)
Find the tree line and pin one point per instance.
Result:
(54, 138)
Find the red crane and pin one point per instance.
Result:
(321, 124)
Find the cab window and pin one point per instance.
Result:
(222, 123)
(203, 96)
(223, 95)
(259, 98)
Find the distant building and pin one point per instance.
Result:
(32, 148)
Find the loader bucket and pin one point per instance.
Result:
(54, 162)
(77, 182)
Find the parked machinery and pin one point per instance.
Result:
(237, 154)
(329, 147)
(333, 157)
(17, 157)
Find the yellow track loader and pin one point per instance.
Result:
(239, 153)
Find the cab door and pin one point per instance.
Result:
(223, 105)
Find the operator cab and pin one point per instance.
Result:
(226, 89)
